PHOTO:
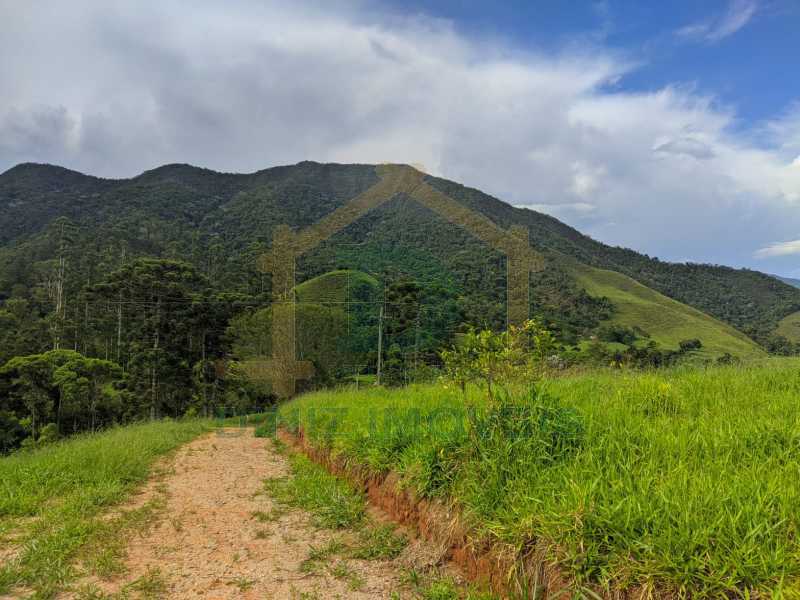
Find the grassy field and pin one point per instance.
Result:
(336, 286)
(52, 501)
(666, 320)
(789, 327)
(684, 482)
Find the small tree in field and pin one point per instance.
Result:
(496, 358)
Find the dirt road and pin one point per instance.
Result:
(207, 543)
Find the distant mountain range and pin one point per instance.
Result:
(221, 223)
(789, 280)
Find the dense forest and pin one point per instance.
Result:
(137, 298)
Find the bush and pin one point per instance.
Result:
(617, 333)
(689, 345)
(11, 431)
(48, 434)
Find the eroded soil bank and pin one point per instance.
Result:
(504, 570)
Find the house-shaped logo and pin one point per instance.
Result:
(283, 369)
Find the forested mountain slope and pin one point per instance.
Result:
(221, 223)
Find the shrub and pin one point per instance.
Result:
(689, 345)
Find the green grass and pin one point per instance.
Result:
(378, 542)
(52, 499)
(666, 320)
(336, 286)
(332, 501)
(685, 481)
(789, 327)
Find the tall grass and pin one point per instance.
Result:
(51, 498)
(685, 481)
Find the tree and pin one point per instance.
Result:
(82, 383)
(166, 305)
(495, 358)
(11, 431)
(31, 380)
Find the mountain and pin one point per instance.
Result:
(789, 280)
(222, 222)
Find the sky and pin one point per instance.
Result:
(669, 127)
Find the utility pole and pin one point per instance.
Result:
(416, 337)
(380, 345)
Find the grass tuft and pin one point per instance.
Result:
(332, 502)
(378, 543)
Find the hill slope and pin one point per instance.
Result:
(667, 321)
(789, 327)
(222, 222)
(337, 287)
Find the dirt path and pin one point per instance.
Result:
(206, 543)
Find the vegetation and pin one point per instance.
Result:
(335, 504)
(662, 319)
(681, 481)
(53, 501)
(750, 301)
(789, 327)
(62, 232)
(128, 300)
(153, 284)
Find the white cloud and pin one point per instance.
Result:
(779, 249)
(586, 179)
(114, 89)
(686, 145)
(738, 14)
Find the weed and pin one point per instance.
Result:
(92, 592)
(267, 517)
(378, 542)
(442, 589)
(279, 446)
(317, 555)
(412, 577)
(242, 583)
(342, 571)
(150, 585)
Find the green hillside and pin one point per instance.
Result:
(220, 223)
(789, 327)
(667, 321)
(339, 287)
